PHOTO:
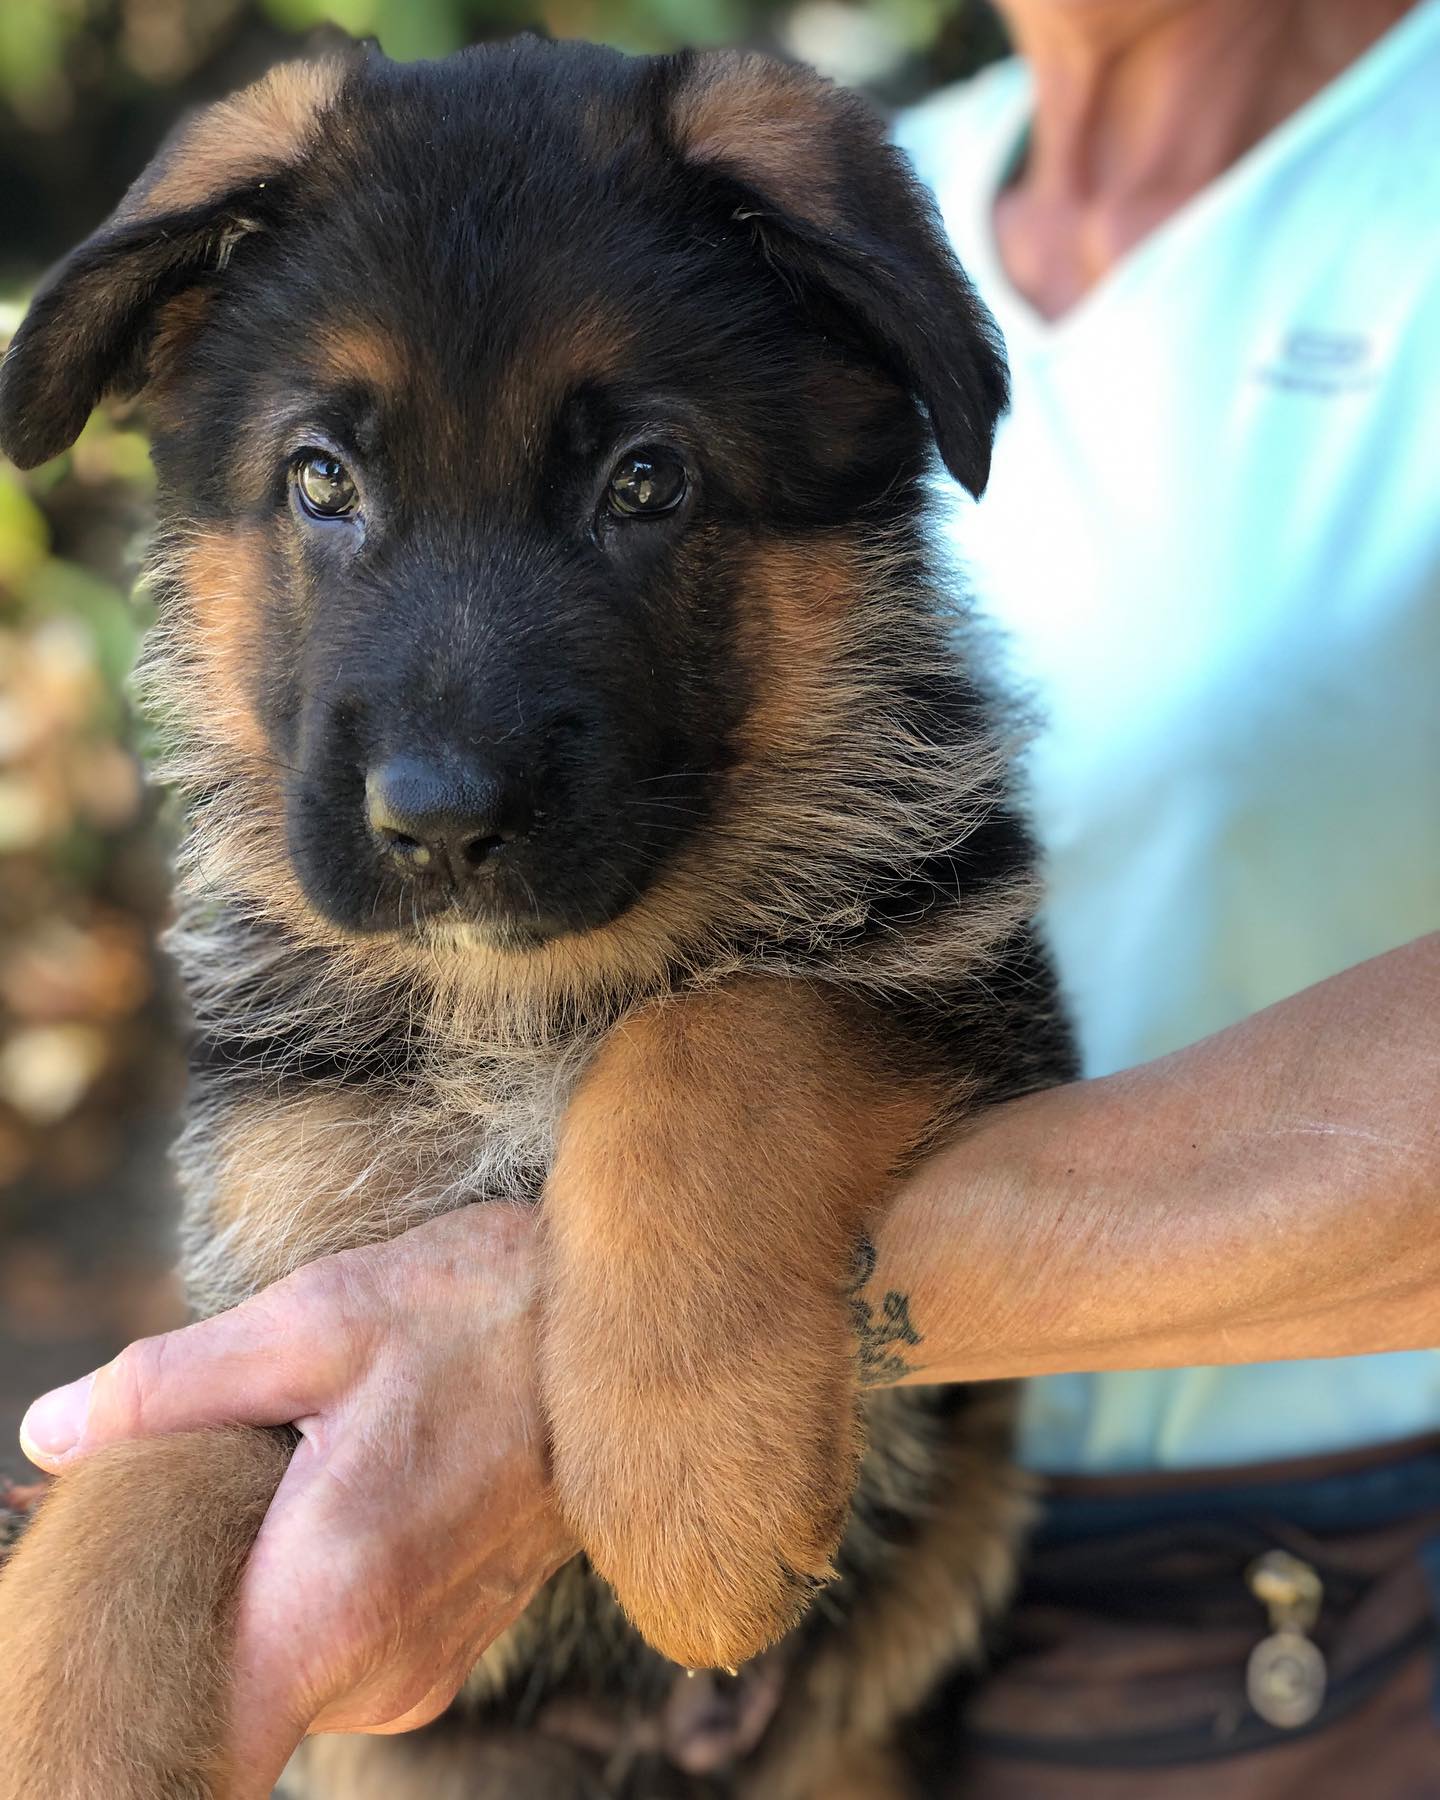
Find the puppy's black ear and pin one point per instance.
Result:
(219, 176)
(841, 214)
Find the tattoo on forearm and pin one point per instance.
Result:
(882, 1336)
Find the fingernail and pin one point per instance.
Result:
(56, 1421)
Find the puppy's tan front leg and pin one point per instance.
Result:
(714, 1171)
(115, 1618)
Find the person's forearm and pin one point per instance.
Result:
(1271, 1192)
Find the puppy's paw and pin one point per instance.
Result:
(711, 1499)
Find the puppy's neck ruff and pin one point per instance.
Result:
(846, 814)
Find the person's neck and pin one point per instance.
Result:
(1140, 104)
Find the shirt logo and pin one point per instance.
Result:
(1307, 361)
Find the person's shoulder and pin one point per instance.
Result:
(1361, 168)
(1403, 64)
(965, 119)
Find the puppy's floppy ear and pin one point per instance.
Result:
(841, 214)
(219, 176)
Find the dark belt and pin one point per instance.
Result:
(1171, 1619)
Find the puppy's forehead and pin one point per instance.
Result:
(488, 184)
(510, 378)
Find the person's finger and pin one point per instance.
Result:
(270, 1361)
(390, 1710)
(375, 1634)
(357, 1715)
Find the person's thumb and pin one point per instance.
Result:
(275, 1359)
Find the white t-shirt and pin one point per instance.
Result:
(1211, 544)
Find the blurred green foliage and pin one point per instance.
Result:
(86, 1046)
(88, 87)
(159, 39)
(410, 28)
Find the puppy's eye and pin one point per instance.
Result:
(324, 485)
(646, 483)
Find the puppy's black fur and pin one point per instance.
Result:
(549, 635)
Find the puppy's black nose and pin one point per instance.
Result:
(431, 819)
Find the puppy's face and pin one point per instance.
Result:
(492, 428)
(497, 473)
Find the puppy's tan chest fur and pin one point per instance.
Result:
(275, 1181)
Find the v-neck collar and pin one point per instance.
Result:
(1322, 113)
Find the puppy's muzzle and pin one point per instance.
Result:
(434, 821)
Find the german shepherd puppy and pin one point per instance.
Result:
(588, 802)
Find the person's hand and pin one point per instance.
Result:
(414, 1522)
